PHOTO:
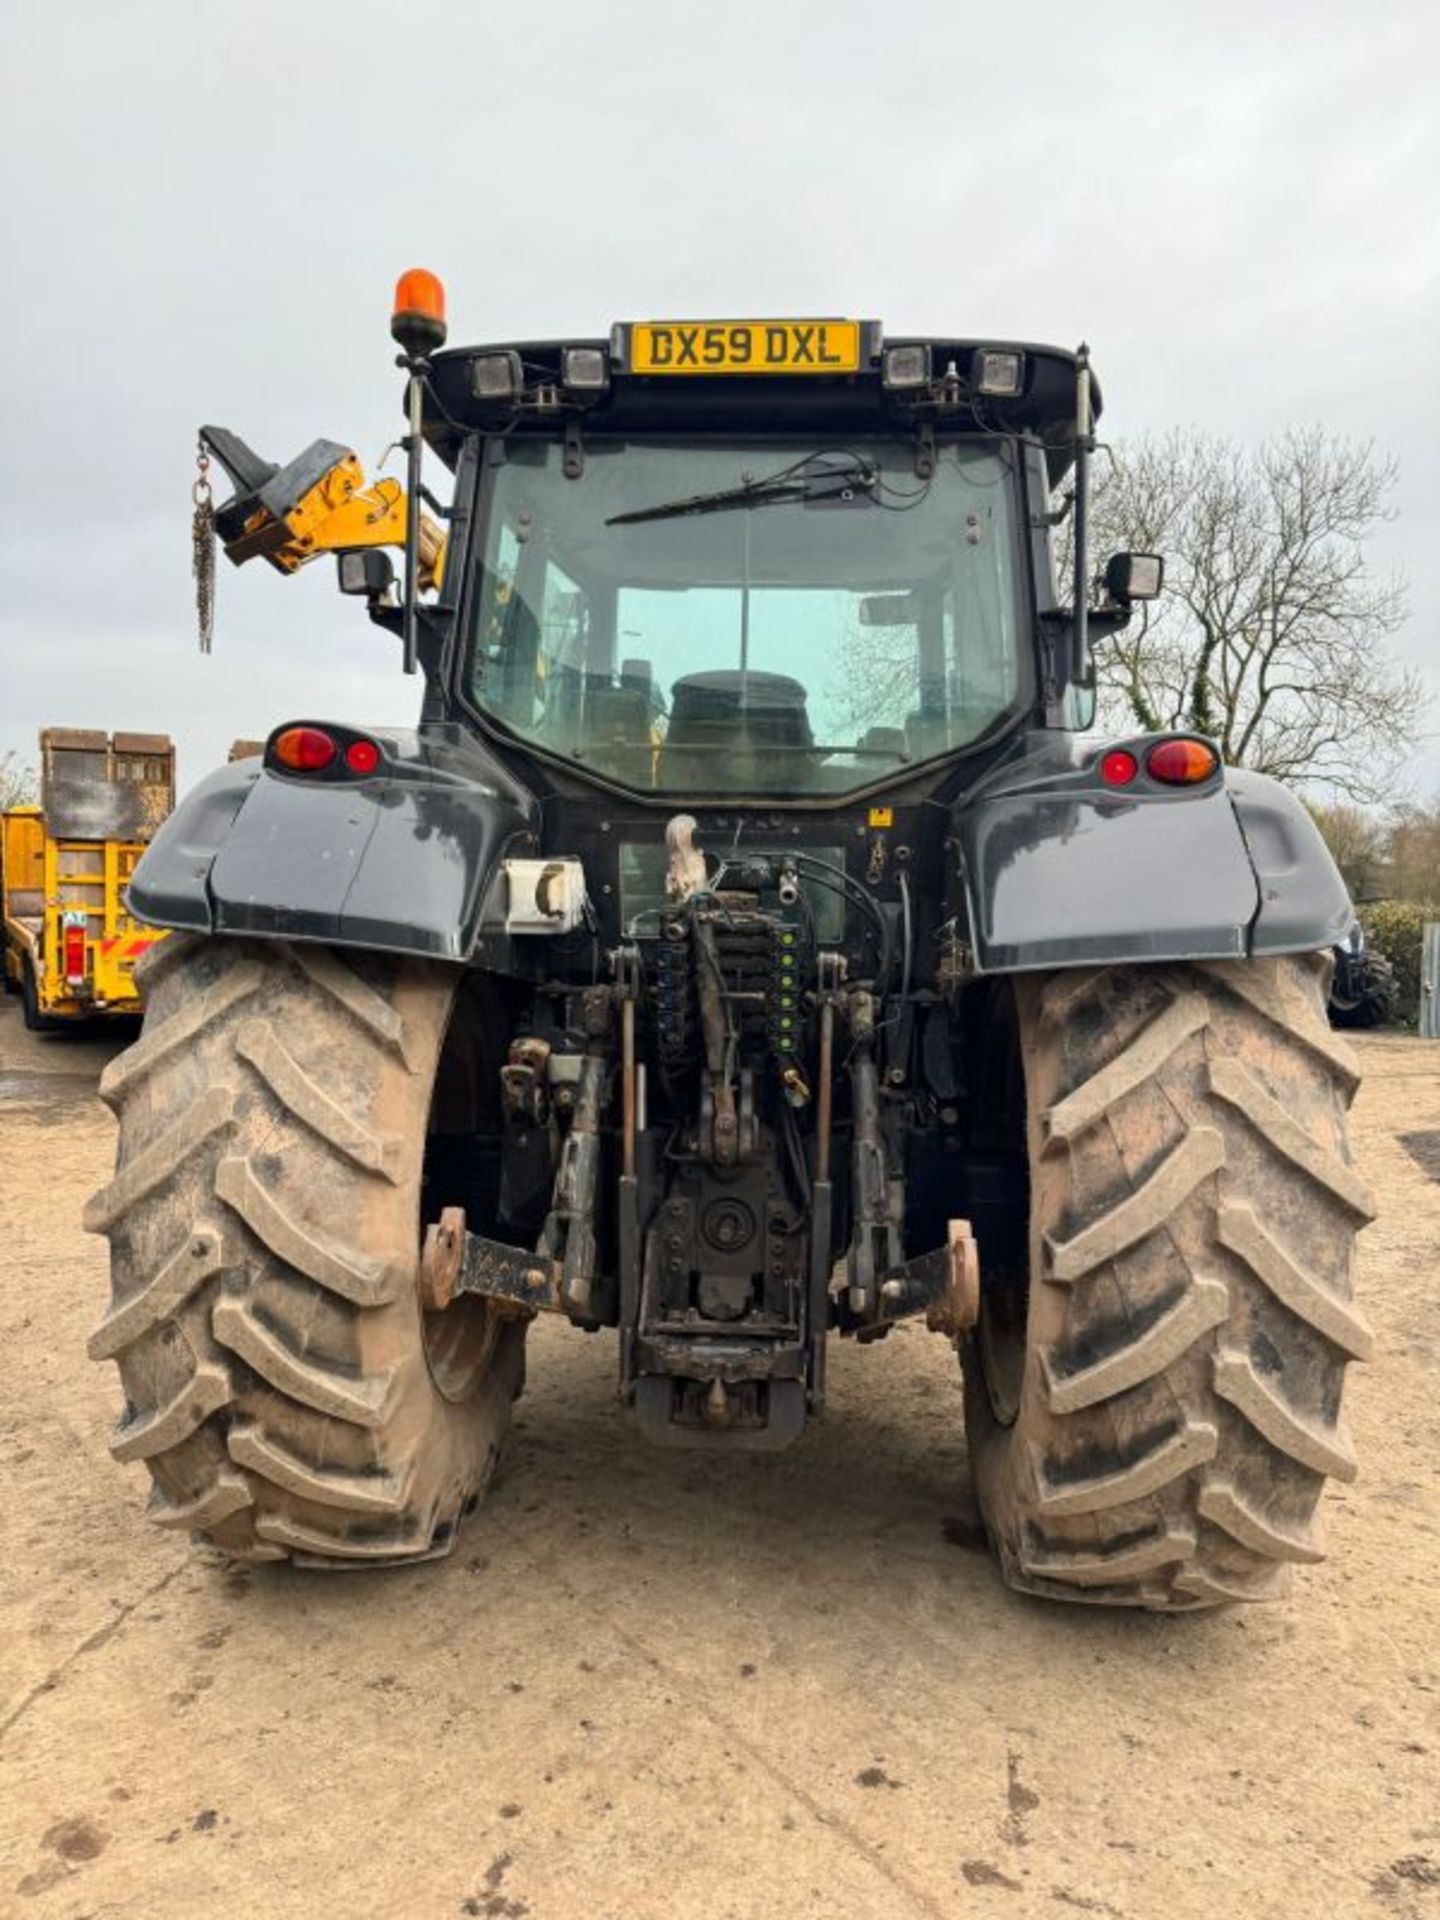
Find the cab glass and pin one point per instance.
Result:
(723, 618)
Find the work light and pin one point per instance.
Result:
(367, 570)
(905, 367)
(586, 369)
(495, 376)
(997, 373)
(1134, 576)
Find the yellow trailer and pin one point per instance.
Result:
(70, 941)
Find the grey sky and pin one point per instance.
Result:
(207, 207)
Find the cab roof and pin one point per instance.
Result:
(859, 401)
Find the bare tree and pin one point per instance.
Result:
(1412, 854)
(17, 781)
(1359, 844)
(1271, 632)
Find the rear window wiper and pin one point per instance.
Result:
(807, 479)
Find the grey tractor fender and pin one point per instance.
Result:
(1058, 869)
(399, 862)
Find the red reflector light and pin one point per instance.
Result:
(362, 756)
(74, 941)
(304, 749)
(1181, 763)
(1119, 767)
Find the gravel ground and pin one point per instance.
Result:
(648, 1685)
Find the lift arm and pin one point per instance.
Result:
(317, 504)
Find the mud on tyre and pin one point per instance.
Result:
(282, 1385)
(1153, 1420)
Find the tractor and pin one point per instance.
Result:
(751, 944)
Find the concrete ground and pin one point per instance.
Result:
(647, 1685)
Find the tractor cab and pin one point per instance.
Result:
(782, 560)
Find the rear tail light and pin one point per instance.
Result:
(304, 749)
(73, 950)
(1181, 763)
(362, 756)
(324, 752)
(1177, 762)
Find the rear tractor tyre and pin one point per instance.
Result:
(283, 1386)
(1153, 1422)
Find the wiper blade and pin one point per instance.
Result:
(806, 480)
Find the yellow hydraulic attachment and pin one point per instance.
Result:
(317, 504)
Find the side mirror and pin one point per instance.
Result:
(367, 570)
(1134, 576)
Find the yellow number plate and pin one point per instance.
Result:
(745, 346)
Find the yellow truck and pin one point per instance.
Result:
(70, 942)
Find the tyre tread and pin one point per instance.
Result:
(127, 1070)
(364, 1005)
(259, 1045)
(1140, 1061)
(261, 1221)
(1142, 1212)
(1201, 1307)
(1222, 1504)
(1181, 1403)
(1305, 1296)
(142, 1436)
(198, 1259)
(1235, 1084)
(1128, 1562)
(157, 1164)
(353, 1276)
(365, 1403)
(1321, 1449)
(225, 1496)
(1186, 1447)
(262, 1454)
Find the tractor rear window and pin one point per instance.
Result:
(734, 618)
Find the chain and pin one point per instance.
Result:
(202, 558)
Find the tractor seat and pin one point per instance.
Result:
(752, 709)
(726, 727)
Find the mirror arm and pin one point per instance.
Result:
(1098, 620)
